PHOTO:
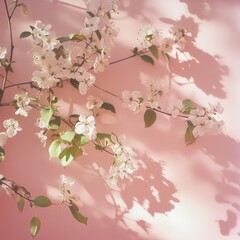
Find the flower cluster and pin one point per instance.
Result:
(12, 127)
(67, 196)
(22, 102)
(123, 164)
(204, 121)
(86, 126)
(151, 36)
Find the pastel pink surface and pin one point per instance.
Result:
(178, 192)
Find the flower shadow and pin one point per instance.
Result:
(205, 70)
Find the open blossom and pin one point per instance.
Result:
(100, 62)
(12, 127)
(42, 137)
(93, 102)
(42, 37)
(43, 79)
(132, 100)
(86, 126)
(167, 45)
(149, 36)
(101, 7)
(204, 122)
(66, 195)
(122, 167)
(40, 123)
(90, 25)
(86, 80)
(118, 145)
(3, 138)
(22, 102)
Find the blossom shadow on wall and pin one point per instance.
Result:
(202, 68)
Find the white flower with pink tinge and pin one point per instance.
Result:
(86, 126)
(149, 36)
(3, 138)
(93, 102)
(132, 100)
(12, 127)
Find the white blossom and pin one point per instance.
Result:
(12, 127)
(22, 102)
(149, 36)
(93, 102)
(40, 123)
(132, 100)
(3, 138)
(43, 79)
(167, 45)
(42, 137)
(86, 126)
(86, 80)
(90, 25)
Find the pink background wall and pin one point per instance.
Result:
(198, 186)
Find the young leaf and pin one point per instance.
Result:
(147, 59)
(189, 137)
(74, 83)
(78, 37)
(2, 154)
(77, 215)
(80, 140)
(149, 117)
(108, 106)
(25, 9)
(67, 136)
(46, 114)
(67, 156)
(35, 226)
(154, 50)
(103, 136)
(187, 106)
(25, 34)
(55, 123)
(42, 201)
(20, 203)
(54, 149)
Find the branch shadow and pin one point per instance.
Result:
(228, 183)
(204, 69)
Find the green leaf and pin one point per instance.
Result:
(54, 123)
(189, 137)
(154, 50)
(25, 34)
(149, 117)
(103, 136)
(80, 140)
(74, 83)
(67, 156)
(77, 37)
(147, 59)
(2, 154)
(77, 215)
(187, 106)
(35, 226)
(108, 106)
(42, 201)
(72, 37)
(67, 136)
(54, 149)
(46, 114)
(20, 203)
